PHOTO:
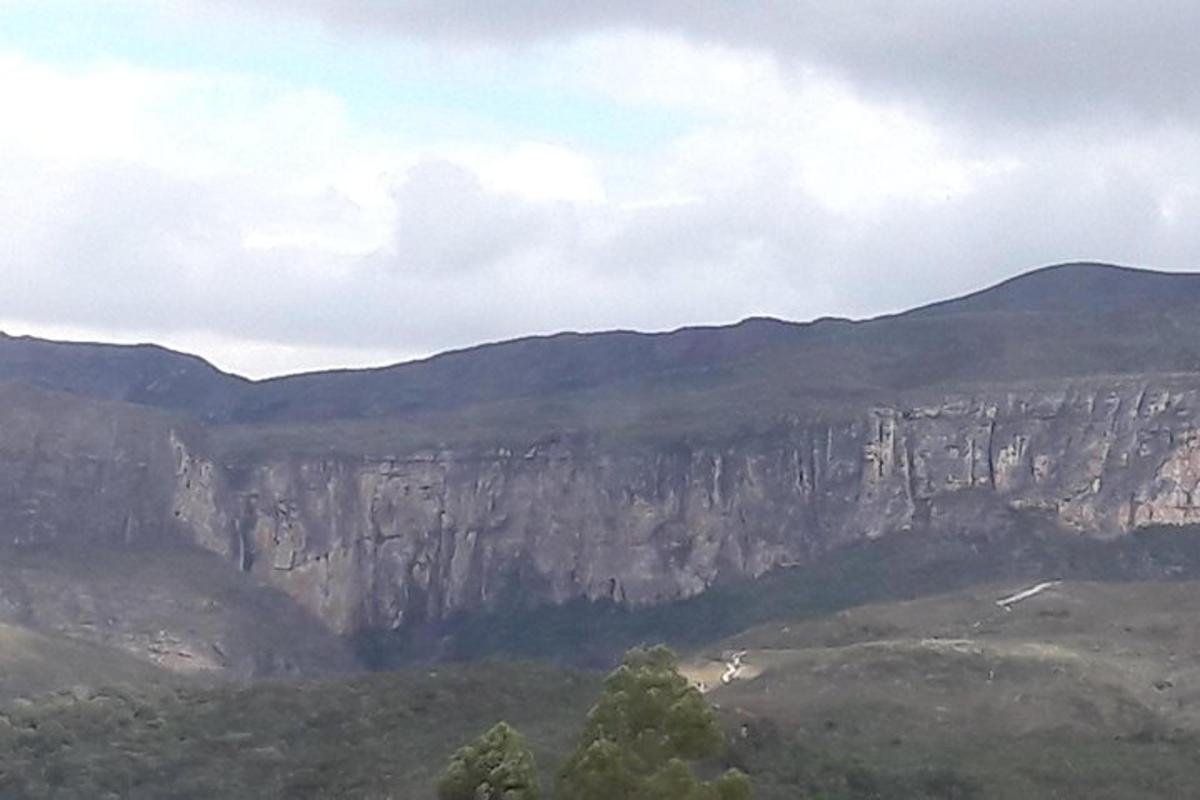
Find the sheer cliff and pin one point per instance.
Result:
(629, 467)
(379, 542)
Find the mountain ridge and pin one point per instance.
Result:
(630, 469)
(931, 343)
(1108, 288)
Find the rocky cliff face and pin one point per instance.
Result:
(386, 541)
(636, 468)
(381, 542)
(90, 547)
(75, 470)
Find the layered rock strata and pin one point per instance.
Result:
(386, 540)
(412, 537)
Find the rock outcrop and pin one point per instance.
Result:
(414, 537)
(90, 547)
(628, 467)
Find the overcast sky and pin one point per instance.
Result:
(281, 185)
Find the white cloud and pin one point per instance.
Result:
(540, 171)
(72, 117)
(268, 226)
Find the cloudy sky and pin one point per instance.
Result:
(281, 185)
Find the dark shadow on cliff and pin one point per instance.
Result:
(896, 567)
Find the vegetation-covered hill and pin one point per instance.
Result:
(175, 607)
(379, 736)
(1071, 320)
(33, 663)
(1084, 690)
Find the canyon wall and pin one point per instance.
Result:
(385, 541)
(382, 541)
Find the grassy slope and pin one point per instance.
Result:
(1041, 329)
(1068, 323)
(378, 736)
(1085, 691)
(32, 663)
(178, 607)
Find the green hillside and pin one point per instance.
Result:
(379, 736)
(1085, 690)
(33, 663)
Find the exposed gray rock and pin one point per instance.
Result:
(420, 535)
(637, 468)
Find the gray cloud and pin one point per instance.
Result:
(446, 220)
(128, 244)
(1092, 102)
(1033, 61)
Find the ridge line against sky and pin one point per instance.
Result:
(291, 186)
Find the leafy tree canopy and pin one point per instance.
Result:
(496, 766)
(638, 739)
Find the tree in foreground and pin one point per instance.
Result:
(638, 739)
(496, 766)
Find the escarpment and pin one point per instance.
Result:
(382, 542)
(625, 467)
